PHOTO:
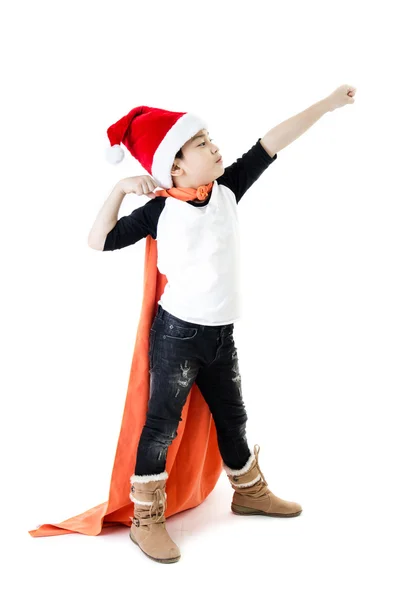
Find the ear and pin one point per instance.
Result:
(176, 170)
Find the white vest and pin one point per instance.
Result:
(199, 252)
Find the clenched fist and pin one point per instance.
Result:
(141, 184)
(344, 94)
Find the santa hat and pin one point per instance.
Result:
(153, 136)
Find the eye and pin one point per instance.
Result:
(205, 142)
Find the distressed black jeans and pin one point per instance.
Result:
(180, 354)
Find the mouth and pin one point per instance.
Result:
(219, 160)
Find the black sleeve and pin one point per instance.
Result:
(240, 175)
(139, 224)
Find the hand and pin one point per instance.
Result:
(141, 184)
(344, 94)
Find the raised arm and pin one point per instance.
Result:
(286, 132)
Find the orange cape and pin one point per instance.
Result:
(193, 463)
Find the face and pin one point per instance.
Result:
(199, 164)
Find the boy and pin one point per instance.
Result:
(194, 220)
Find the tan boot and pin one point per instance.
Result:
(148, 524)
(252, 495)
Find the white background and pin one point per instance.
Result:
(317, 342)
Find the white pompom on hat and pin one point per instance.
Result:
(114, 154)
(153, 136)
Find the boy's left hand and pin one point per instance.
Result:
(343, 95)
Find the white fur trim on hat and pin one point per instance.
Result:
(243, 470)
(114, 154)
(181, 132)
(147, 478)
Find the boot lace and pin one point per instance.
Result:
(159, 499)
(256, 452)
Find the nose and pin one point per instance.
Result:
(214, 148)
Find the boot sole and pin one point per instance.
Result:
(244, 510)
(161, 560)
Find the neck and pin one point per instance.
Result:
(189, 185)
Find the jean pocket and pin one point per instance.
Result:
(177, 332)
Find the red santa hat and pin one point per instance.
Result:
(153, 136)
